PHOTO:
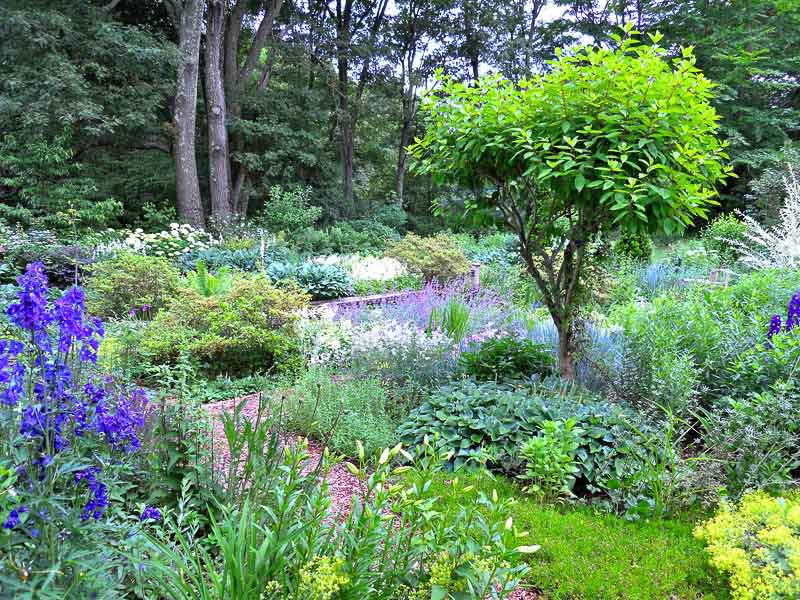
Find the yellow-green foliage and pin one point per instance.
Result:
(757, 544)
(131, 282)
(321, 578)
(249, 329)
(437, 257)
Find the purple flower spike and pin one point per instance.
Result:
(793, 316)
(30, 311)
(774, 326)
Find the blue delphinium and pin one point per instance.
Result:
(52, 402)
(793, 316)
(776, 325)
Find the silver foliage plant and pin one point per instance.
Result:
(777, 246)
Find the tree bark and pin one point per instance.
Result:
(188, 15)
(218, 153)
(405, 139)
(236, 79)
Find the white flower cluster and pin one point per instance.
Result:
(777, 246)
(385, 342)
(179, 239)
(365, 268)
(324, 340)
(392, 340)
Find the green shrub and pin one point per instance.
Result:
(508, 358)
(757, 544)
(340, 411)
(391, 215)
(348, 237)
(717, 237)
(131, 282)
(323, 282)
(480, 421)
(550, 465)
(754, 438)
(248, 330)
(288, 210)
(634, 245)
(438, 257)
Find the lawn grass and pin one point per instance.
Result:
(589, 554)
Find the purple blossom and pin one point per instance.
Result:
(30, 312)
(793, 316)
(774, 326)
(14, 517)
(47, 373)
(98, 498)
(150, 512)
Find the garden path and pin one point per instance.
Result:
(342, 484)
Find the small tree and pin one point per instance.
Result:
(606, 139)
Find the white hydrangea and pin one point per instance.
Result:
(364, 268)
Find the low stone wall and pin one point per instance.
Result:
(390, 297)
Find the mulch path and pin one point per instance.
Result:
(342, 484)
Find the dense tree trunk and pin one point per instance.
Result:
(236, 79)
(348, 105)
(218, 154)
(188, 16)
(406, 131)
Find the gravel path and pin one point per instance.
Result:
(341, 483)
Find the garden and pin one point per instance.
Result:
(573, 374)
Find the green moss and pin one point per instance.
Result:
(594, 555)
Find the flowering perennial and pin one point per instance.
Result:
(50, 400)
(776, 325)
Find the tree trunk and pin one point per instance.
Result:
(218, 155)
(566, 365)
(402, 155)
(190, 208)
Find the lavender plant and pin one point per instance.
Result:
(69, 436)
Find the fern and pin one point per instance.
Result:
(208, 284)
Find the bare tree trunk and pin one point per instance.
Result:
(218, 155)
(405, 139)
(566, 364)
(189, 16)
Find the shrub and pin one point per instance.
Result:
(346, 237)
(549, 457)
(392, 215)
(69, 442)
(172, 243)
(508, 358)
(131, 282)
(280, 271)
(250, 329)
(634, 245)
(216, 258)
(64, 264)
(340, 410)
(753, 438)
(719, 235)
(438, 257)
(288, 210)
(777, 246)
(492, 421)
(324, 282)
(756, 543)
